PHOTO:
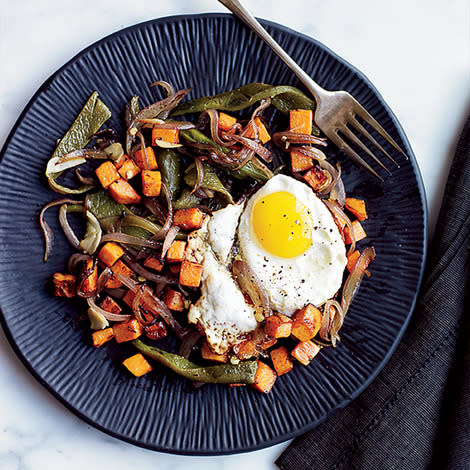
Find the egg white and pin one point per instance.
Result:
(311, 277)
(221, 310)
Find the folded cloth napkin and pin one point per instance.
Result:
(416, 413)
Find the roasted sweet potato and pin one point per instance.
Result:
(110, 253)
(209, 355)
(357, 207)
(175, 253)
(64, 285)
(305, 351)
(316, 178)
(110, 305)
(278, 326)
(100, 337)
(352, 260)
(123, 193)
(281, 361)
(156, 330)
(137, 365)
(167, 135)
(139, 159)
(127, 168)
(300, 162)
(173, 300)
(190, 274)
(107, 174)
(189, 219)
(306, 323)
(263, 134)
(300, 121)
(88, 278)
(121, 268)
(245, 350)
(226, 122)
(264, 378)
(127, 330)
(358, 231)
(151, 183)
(153, 262)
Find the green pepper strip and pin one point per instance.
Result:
(210, 180)
(284, 98)
(248, 171)
(243, 372)
(92, 116)
(169, 164)
(186, 200)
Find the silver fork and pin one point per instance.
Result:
(336, 111)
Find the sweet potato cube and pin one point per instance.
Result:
(281, 360)
(167, 135)
(209, 355)
(189, 219)
(153, 262)
(64, 285)
(358, 232)
(278, 326)
(128, 169)
(245, 350)
(357, 207)
(175, 253)
(305, 351)
(123, 193)
(316, 178)
(300, 162)
(139, 159)
(137, 365)
(127, 330)
(110, 305)
(156, 330)
(89, 278)
(264, 378)
(100, 337)
(174, 300)
(263, 134)
(300, 121)
(121, 268)
(110, 253)
(306, 323)
(226, 122)
(151, 183)
(190, 274)
(352, 260)
(107, 174)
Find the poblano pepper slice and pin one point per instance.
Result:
(92, 116)
(243, 372)
(284, 98)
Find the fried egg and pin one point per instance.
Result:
(222, 310)
(290, 240)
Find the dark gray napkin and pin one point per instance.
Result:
(416, 414)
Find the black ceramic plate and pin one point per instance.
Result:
(160, 411)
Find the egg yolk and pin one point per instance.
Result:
(282, 224)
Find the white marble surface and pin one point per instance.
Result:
(416, 52)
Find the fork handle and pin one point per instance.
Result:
(239, 10)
